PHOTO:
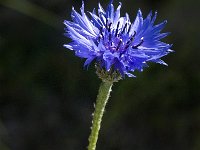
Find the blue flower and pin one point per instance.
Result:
(114, 42)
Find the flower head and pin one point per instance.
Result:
(114, 42)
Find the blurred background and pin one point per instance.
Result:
(47, 97)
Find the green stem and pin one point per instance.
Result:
(102, 98)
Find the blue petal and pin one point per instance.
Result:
(110, 11)
(108, 58)
(79, 29)
(88, 24)
(137, 23)
(159, 61)
(159, 27)
(130, 75)
(161, 36)
(117, 14)
(102, 14)
(88, 61)
(96, 20)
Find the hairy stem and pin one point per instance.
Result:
(102, 98)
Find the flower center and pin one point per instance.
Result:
(118, 39)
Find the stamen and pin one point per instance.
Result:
(136, 46)
(106, 23)
(110, 36)
(120, 42)
(101, 32)
(134, 34)
(116, 32)
(124, 28)
(99, 38)
(129, 29)
(127, 46)
(101, 29)
(130, 40)
(109, 27)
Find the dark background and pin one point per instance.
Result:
(46, 96)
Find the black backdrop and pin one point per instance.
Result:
(46, 96)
